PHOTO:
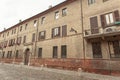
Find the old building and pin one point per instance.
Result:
(73, 34)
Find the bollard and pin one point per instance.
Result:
(79, 71)
(45, 65)
(41, 68)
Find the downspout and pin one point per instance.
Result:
(36, 39)
(16, 45)
(82, 25)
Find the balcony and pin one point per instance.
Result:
(102, 32)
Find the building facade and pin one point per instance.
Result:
(73, 34)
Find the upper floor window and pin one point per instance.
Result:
(14, 31)
(43, 20)
(3, 35)
(56, 32)
(24, 39)
(109, 19)
(42, 35)
(8, 34)
(64, 12)
(33, 37)
(19, 39)
(20, 28)
(57, 15)
(91, 2)
(26, 26)
(35, 23)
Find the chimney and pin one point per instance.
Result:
(20, 21)
(50, 6)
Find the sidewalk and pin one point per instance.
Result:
(88, 76)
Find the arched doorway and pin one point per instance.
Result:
(26, 56)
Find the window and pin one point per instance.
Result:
(17, 54)
(24, 39)
(96, 48)
(94, 25)
(64, 51)
(33, 37)
(64, 12)
(19, 39)
(43, 20)
(64, 30)
(35, 23)
(26, 26)
(55, 52)
(91, 2)
(20, 28)
(40, 53)
(3, 35)
(56, 32)
(5, 44)
(8, 34)
(57, 15)
(42, 35)
(114, 48)
(109, 19)
(9, 54)
(3, 55)
(14, 31)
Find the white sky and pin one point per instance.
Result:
(11, 11)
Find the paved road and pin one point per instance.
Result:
(20, 72)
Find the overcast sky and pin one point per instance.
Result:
(11, 11)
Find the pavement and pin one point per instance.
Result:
(22, 72)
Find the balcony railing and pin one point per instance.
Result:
(99, 31)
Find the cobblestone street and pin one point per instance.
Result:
(20, 72)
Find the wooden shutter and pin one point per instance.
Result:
(64, 30)
(55, 52)
(117, 16)
(94, 25)
(58, 31)
(103, 21)
(52, 33)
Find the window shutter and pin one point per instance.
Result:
(117, 17)
(59, 31)
(64, 30)
(52, 33)
(94, 25)
(103, 21)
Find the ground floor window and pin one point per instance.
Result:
(40, 53)
(9, 54)
(55, 52)
(17, 54)
(114, 49)
(3, 54)
(63, 51)
(96, 48)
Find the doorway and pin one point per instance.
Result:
(26, 56)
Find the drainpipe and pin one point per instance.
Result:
(82, 25)
(4, 41)
(36, 38)
(16, 44)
